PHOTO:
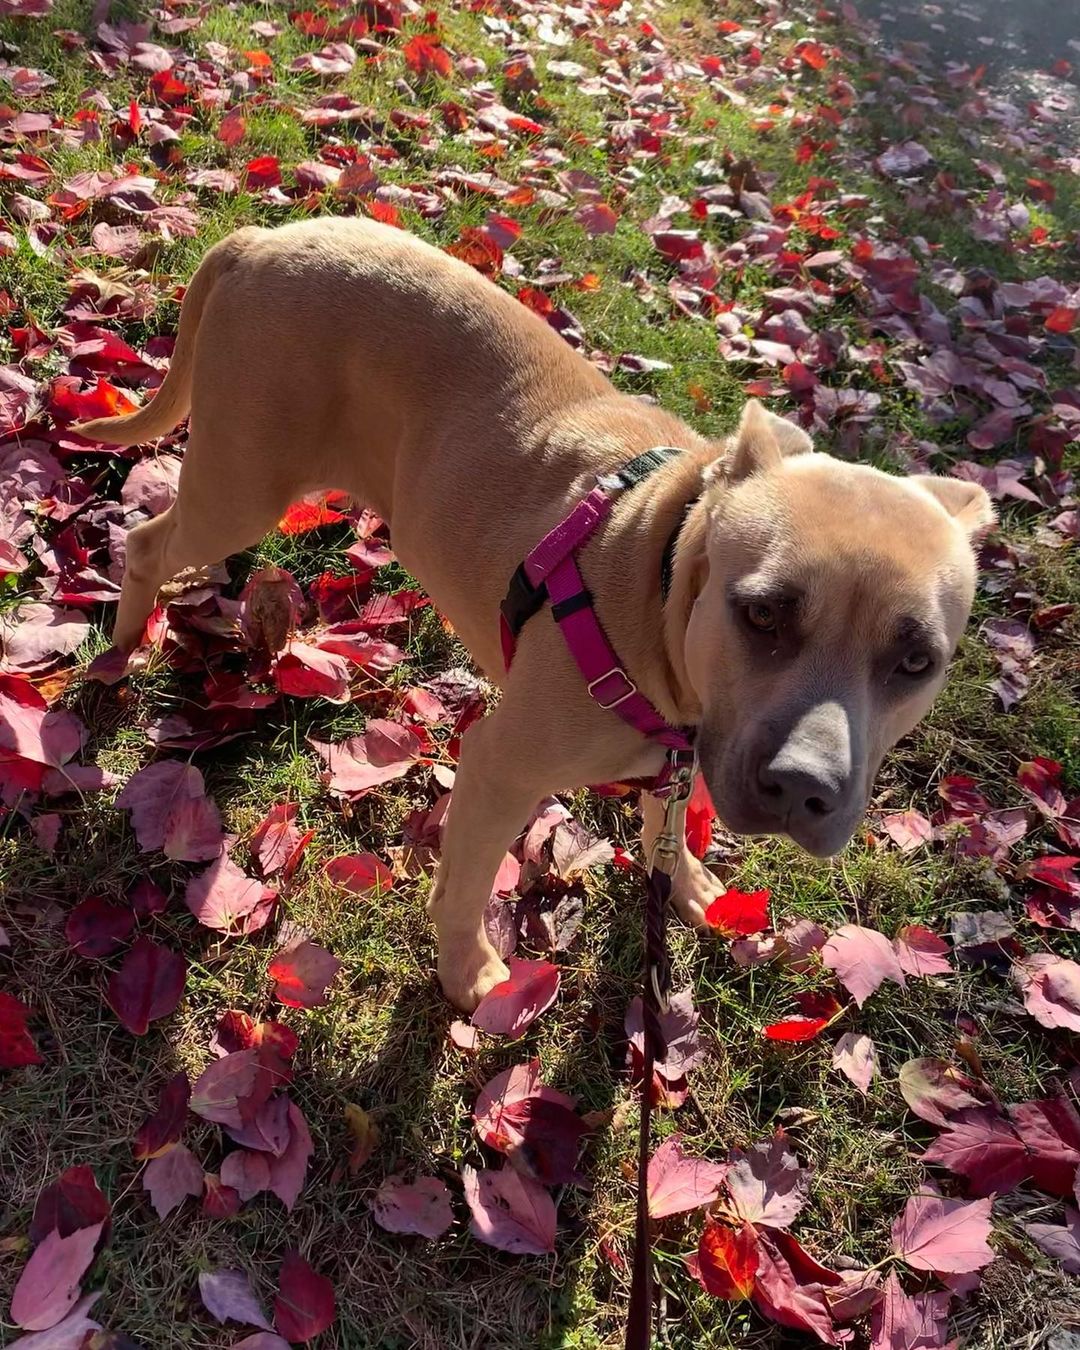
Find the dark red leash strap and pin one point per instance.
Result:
(657, 986)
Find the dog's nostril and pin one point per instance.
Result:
(817, 807)
(772, 789)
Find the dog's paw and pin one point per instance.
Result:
(693, 891)
(467, 976)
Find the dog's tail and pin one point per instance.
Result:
(172, 401)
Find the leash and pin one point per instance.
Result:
(550, 574)
(654, 1002)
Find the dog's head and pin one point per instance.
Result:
(834, 597)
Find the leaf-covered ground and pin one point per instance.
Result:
(219, 1026)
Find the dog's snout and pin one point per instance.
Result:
(796, 794)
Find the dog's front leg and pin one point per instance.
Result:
(693, 888)
(495, 791)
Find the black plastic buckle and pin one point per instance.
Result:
(522, 600)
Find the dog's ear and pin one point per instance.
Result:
(761, 442)
(969, 504)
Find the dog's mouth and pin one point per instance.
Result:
(822, 837)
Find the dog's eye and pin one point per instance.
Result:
(761, 616)
(916, 663)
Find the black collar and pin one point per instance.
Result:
(667, 562)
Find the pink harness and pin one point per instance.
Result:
(551, 573)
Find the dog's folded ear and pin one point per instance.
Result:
(761, 442)
(968, 503)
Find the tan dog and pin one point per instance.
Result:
(814, 603)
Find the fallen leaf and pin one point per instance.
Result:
(936, 1090)
(227, 1296)
(288, 1170)
(862, 958)
(96, 929)
(361, 874)
(1051, 988)
(421, 1207)
(222, 896)
(365, 1136)
(170, 1177)
(149, 985)
(735, 914)
(908, 830)
(511, 1007)
(677, 1182)
(1061, 1241)
(223, 1086)
(921, 952)
(509, 1211)
(768, 1185)
(71, 1333)
(302, 973)
(163, 1128)
(943, 1236)
(49, 1285)
(910, 1322)
(170, 811)
(276, 838)
(855, 1056)
(535, 1126)
(73, 1201)
(728, 1260)
(305, 1304)
(981, 1145)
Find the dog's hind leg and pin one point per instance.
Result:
(496, 789)
(693, 887)
(218, 511)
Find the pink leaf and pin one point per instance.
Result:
(308, 672)
(908, 830)
(677, 1182)
(228, 1297)
(1051, 989)
(422, 1207)
(262, 1340)
(862, 958)
(223, 1086)
(170, 811)
(246, 1171)
(288, 1171)
(855, 1056)
(302, 973)
(511, 1007)
(944, 1236)
(384, 752)
(221, 895)
(361, 874)
(905, 1322)
(48, 1287)
(72, 1333)
(1050, 1129)
(172, 1176)
(510, 1212)
(921, 952)
(767, 1185)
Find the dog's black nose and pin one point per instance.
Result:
(795, 793)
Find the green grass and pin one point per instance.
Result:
(381, 1041)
